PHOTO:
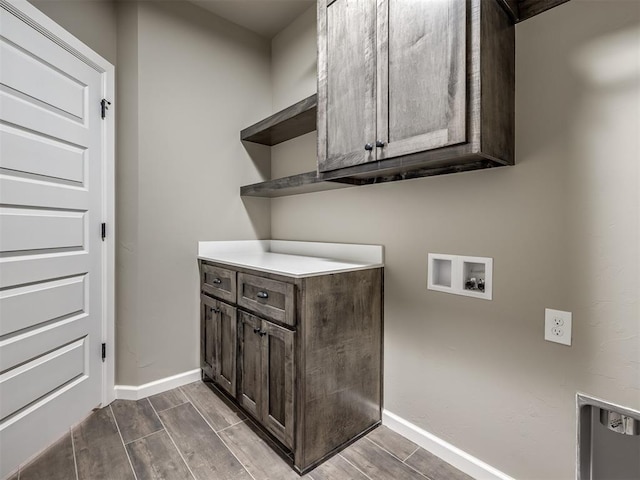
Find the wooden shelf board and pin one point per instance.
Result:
(295, 184)
(294, 121)
(521, 10)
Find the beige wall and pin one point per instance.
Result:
(92, 21)
(562, 227)
(127, 179)
(187, 83)
(200, 80)
(294, 68)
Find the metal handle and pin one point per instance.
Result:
(380, 144)
(257, 331)
(215, 310)
(368, 147)
(262, 295)
(216, 281)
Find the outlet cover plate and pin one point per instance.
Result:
(557, 326)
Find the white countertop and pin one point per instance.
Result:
(295, 259)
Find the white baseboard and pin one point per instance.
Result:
(461, 460)
(128, 392)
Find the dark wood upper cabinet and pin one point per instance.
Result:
(349, 98)
(421, 76)
(413, 88)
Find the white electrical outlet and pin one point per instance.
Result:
(557, 326)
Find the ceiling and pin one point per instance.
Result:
(264, 17)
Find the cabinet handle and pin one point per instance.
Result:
(215, 310)
(216, 281)
(262, 334)
(368, 147)
(380, 144)
(262, 295)
(256, 330)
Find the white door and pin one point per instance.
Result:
(52, 150)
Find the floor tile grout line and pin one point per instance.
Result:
(170, 408)
(353, 465)
(115, 420)
(164, 427)
(223, 442)
(173, 406)
(230, 426)
(406, 464)
(73, 448)
(411, 454)
(269, 441)
(226, 402)
(387, 451)
(144, 436)
(220, 395)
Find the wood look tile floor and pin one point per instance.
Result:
(193, 432)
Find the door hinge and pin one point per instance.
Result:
(104, 106)
(104, 351)
(103, 231)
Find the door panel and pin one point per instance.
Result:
(51, 182)
(33, 77)
(31, 229)
(347, 84)
(422, 75)
(39, 376)
(250, 357)
(20, 349)
(31, 305)
(208, 318)
(278, 406)
(275, 381)
(23, 151)
(226, 340)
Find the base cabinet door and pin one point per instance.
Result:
(208, 316)
(266, 386)
(225, 348)
(218, 342)
(250, 358)
(278, 381)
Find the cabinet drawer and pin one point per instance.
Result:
(267, 297)
(219, 282)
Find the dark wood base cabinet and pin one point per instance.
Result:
(302, 356)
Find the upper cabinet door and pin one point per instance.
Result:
(421, 75)
(346, 83)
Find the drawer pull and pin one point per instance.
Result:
(216, 281)
(263, 295)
